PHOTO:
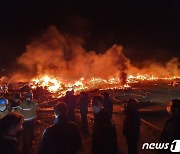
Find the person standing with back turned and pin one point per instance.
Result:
(131, 125)
(63, 137)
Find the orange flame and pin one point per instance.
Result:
(56, 85)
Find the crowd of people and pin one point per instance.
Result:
(17, 119)
(19, 108)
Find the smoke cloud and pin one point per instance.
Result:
(171, 69)
(62, 55)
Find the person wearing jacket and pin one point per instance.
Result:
(70, 100)
(3, 107)
(108, 105)
(15, 101)
(104, 135)
(131, 125)
(63, 137)
(171, 130)
(28, 109)
(10, 125)
(83, 105)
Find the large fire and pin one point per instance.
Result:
(59, 62)
(56, 85)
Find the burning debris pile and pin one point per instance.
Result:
(58, 62)
(58, 86)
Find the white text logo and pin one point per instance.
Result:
(174, 146)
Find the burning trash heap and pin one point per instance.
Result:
(58, 63)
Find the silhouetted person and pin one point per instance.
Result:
(63, 137)
(4, 88)
(10, 125)
(70, 101)
(131, 125)
(15, 101)
(171, 129)
(108, 105)
(104, 136)
(83, 104)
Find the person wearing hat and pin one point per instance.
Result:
(63, 137)
(3, 107)
(28, 109)
(171, 130)
(15, 101)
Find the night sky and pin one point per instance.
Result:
(147, 29)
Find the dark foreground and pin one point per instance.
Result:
(148, 133)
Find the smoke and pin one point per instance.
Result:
(61, 55)
(171, 68)
(4, 79)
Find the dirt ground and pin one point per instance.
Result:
(46, 117)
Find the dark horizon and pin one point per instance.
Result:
(146, 30)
